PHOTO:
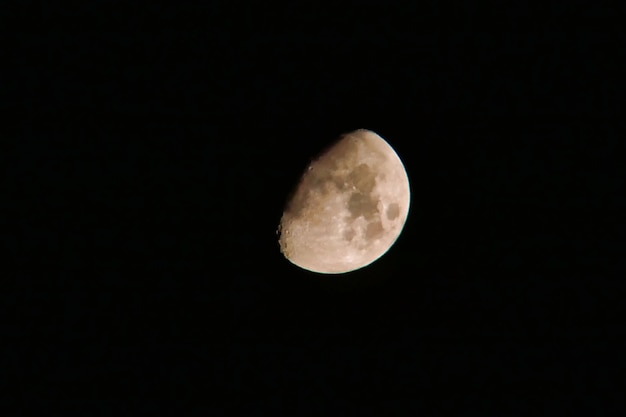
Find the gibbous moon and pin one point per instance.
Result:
(348, 208)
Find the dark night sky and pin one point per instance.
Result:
(150, 152)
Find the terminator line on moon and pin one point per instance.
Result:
(349, 207)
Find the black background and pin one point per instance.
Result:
(147, 155)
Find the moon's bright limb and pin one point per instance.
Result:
(349, 207)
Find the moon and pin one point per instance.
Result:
(348, 208)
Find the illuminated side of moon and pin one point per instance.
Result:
(349, 207)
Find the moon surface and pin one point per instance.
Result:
(349, 207)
